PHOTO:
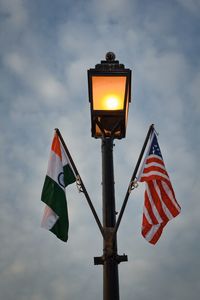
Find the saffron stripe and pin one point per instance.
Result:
(55, 147)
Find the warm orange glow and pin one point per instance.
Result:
(112, 102)
(108, 92)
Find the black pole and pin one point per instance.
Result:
(81, 182)
(151, 128)
(110, 265)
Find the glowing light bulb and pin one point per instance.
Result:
(112, 102)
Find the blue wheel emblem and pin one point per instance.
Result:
(61, 179)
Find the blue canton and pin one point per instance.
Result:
(155, 149)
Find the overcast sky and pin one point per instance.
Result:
(46, 49)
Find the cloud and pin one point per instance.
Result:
(194, 92)
(193, 6)
(14, 13)
(45, 54)
(42, 83)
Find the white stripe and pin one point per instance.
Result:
(155, 211)
(55, 167)
(166, 210)
(150, 234)
(49, 218)
(170, 195)
(155, 164)
(155, 173)
(65, 159)
(140, 173)
(146, 213)
(154, 156)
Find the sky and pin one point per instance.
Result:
(46, 49)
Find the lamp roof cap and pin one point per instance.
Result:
(110, 64)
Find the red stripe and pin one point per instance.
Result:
(155, 159)
(149, 209)
(145, 226)
(159, 198)
(157, 201)
(167, 200)
(170, 185)
(154, 169)
(153, 177)
(158, 233)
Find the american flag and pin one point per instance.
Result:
(160, 205)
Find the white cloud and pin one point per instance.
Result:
(110, 9)
(16, 63)
(44, 89)
(192, 5)
(49, 87)
(40, 80)
(194, 92)
(15, 13)
(165, 72)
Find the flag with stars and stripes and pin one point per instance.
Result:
(160, 205)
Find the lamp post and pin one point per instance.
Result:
(109, 86)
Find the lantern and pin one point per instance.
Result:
(109, 86)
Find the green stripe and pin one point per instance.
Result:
(55, 198)
(68, 175)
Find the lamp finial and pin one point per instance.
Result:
(110, 56)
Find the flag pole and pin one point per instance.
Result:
(151, 128)
(81, 182)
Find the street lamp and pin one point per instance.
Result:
(109, 95)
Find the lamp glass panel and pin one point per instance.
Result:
(127, 106)
(108, 92)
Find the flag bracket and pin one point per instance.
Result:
(109, 251)
(78, 184)
(133, 185)
(100, 260)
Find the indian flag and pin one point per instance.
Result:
(59, 175)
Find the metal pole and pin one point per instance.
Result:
(81, 182)
(151, 128)
(110, 265)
